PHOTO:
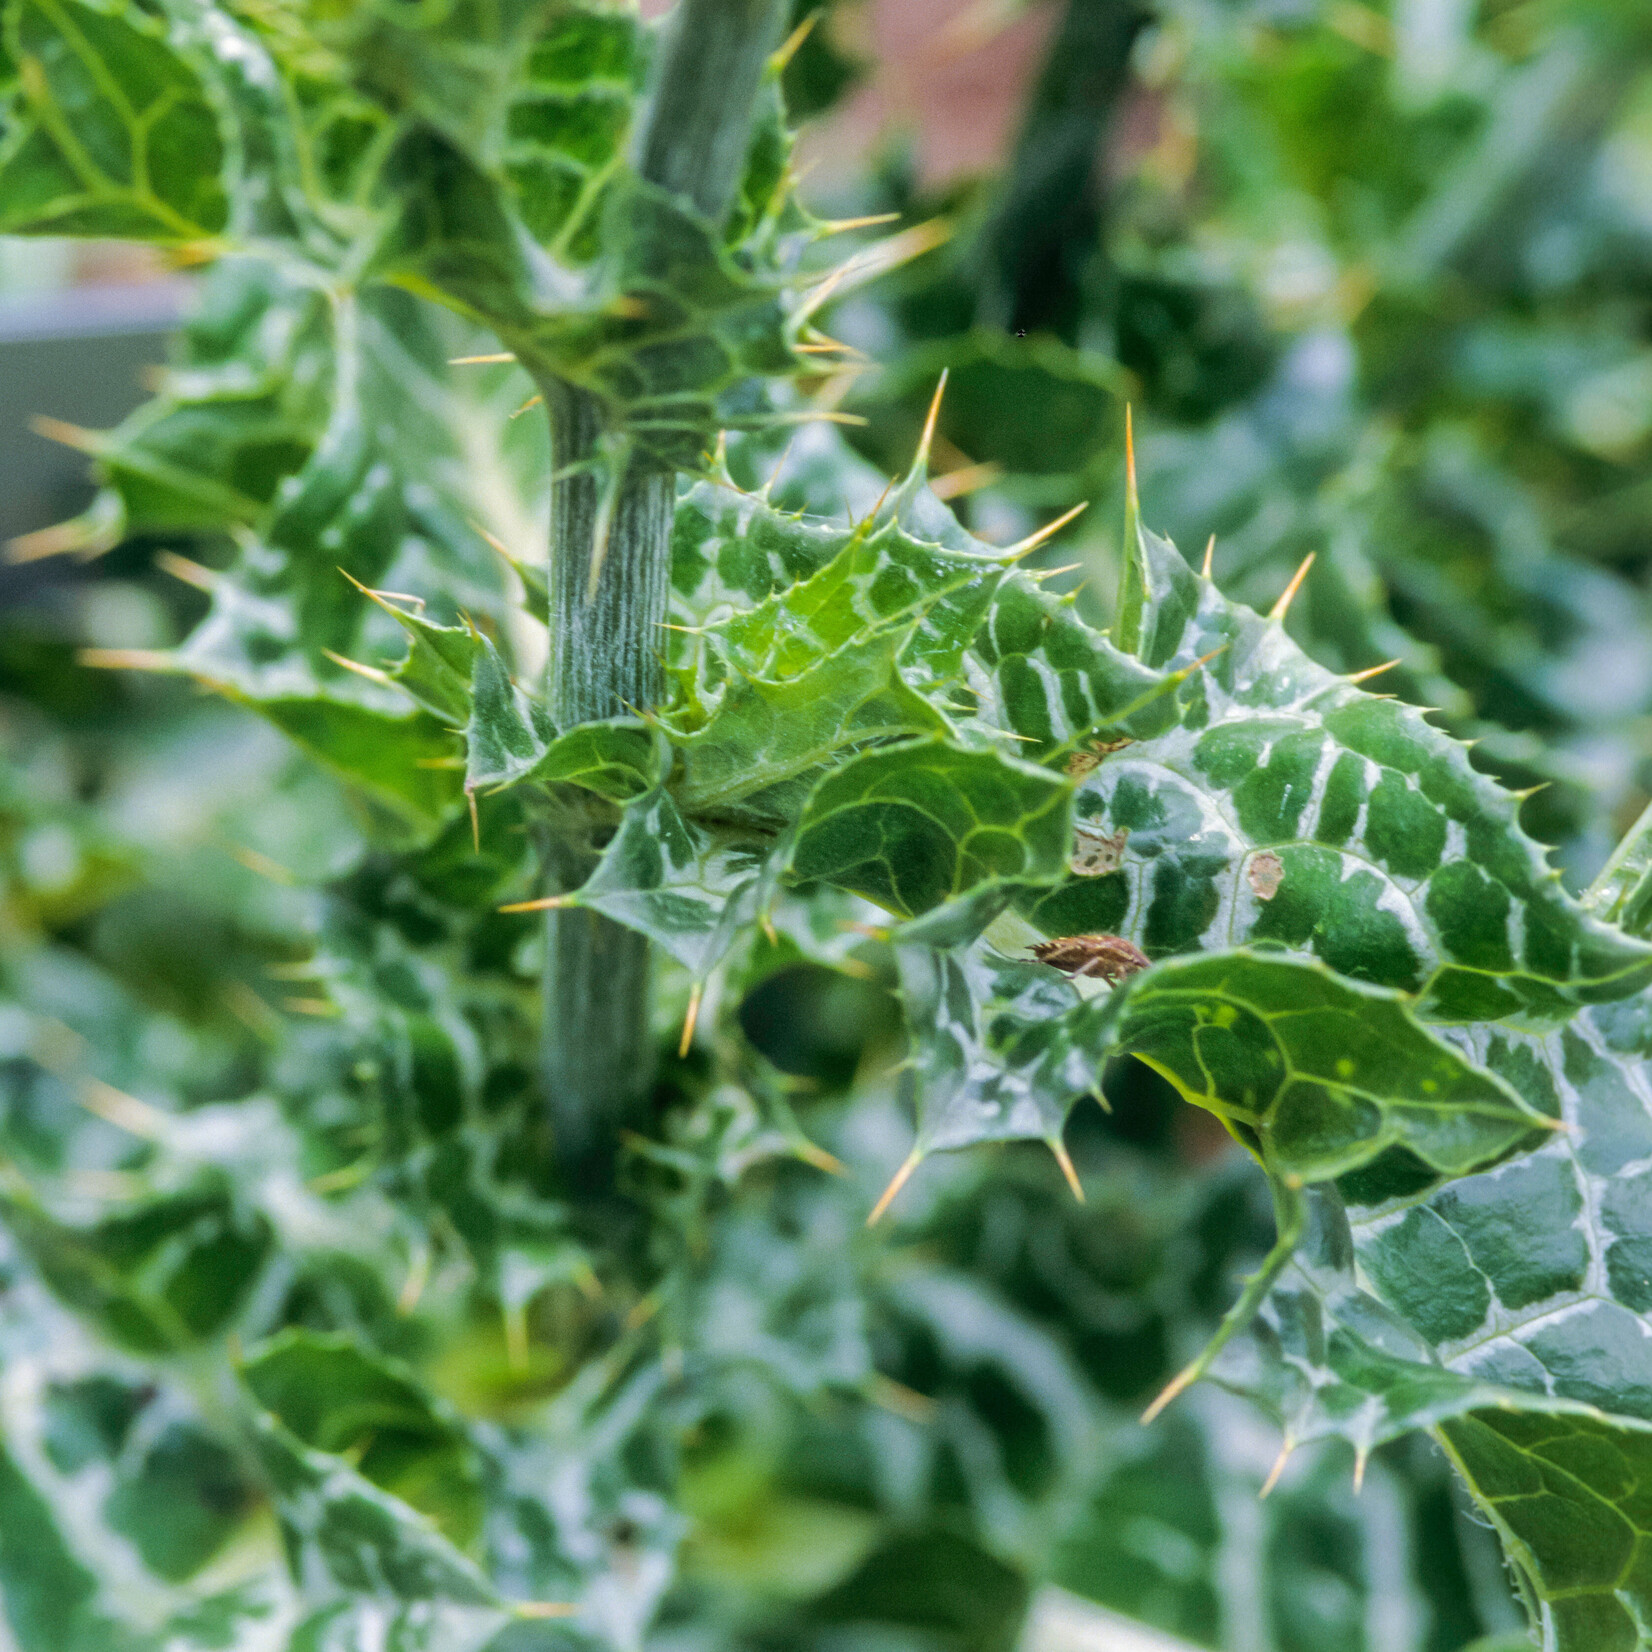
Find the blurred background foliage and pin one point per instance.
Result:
(1377, 281)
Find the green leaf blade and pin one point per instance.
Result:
(119, 138)
(920, 823)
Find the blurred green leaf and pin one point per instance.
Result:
(157, 1277)
(115, 133)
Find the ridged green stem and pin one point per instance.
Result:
(605, 634)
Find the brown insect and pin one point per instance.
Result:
(1101, 957)
(1081, 762)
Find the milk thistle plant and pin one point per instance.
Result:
(494, 1285)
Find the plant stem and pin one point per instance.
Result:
(605, 640)
(604, 661)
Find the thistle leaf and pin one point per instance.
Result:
(501, 741)
(1285, 806)
(690, 889)
(343, 1534)
(115, 133)
(912, 825)
(762, 738)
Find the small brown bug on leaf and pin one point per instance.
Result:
(1081, 762)
(1102, 957)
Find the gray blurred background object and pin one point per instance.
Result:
(77, 355)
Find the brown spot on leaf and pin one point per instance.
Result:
(1265, 874)
(1095, 852)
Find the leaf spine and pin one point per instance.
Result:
(896, 1183)
(546, 903)
(69, 435)
(1031, 543)
(836, 226)
(1132, 505)
(966, 479)
(689, 1020)
(920, 460)
(787, 49)
(124, 659)
(1281, 608)
(191, 573)
(1372, 671)
(1278, 1468)
(1065, 1159)
(370, 672)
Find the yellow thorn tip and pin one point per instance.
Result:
(1065, 1160)
(1050, 529)
(921, 458)
(896, 1183)
(546, 903)
(1278, 1468)
(689, 1020)
(1371, 671)
(788, 47)
(1130, 500)
(1183, 1379)
(1281, 608)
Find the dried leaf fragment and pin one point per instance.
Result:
(1095, 852)
(1264, 874)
